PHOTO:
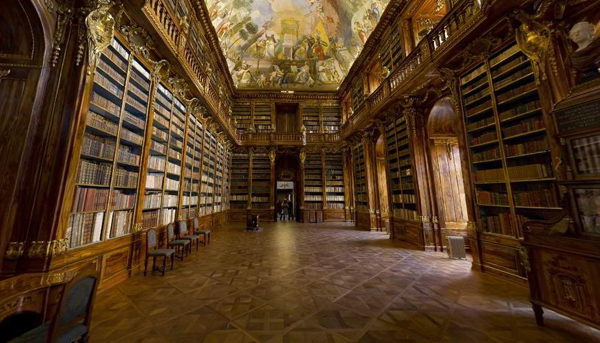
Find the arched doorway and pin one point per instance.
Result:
(286, 184)
(382, 186)
(450, 201)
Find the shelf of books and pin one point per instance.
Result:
(360, 180)
(157, 160)
(334, 187)
(242, 112)
(400, 169)
(227, 179)
(261, 181)
(390, 49)
(508, 143)
(207, 188)
(313, 182)
(240, 169)
(109, 164)
(218, 202)
(262, 117)
(358, 95)
(310, 117)
(331, 118)
(193, 152)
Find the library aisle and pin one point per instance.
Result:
(321, 283)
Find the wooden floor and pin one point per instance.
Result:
(321, 283)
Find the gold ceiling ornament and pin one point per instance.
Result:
(15, 250)
(100, 24)
(534, 39)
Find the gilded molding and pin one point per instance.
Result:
(524, 256)
(64, 16)
(45, 249)
(534, 39)
(15, 250)
(158, 66)
(100, 24)
(137, 227)
(4, 73)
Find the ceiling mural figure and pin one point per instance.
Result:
(299, 45)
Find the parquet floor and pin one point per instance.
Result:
(321, 283)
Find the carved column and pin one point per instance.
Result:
(370, 175)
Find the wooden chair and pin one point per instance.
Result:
(73, 318)
(184, 234)
(182, 246)
(153, 251)
(201, 232)
(72, 323)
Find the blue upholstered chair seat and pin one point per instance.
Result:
(179, 242)
(73, 334)
(191, 237)
(202, 232)
(161, 252)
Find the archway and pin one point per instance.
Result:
(382, 186)
(451, 204)
(286, 185)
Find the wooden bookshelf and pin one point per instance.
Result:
(331, 118)
(240, 169)
(227, 179)
(508, 142)
(360, 181)
(207, 187)
(390, 49)
(334, 187)
(109, 165)
(358, 94)
(311, 118)
(219, 177)
(193, 159)
(242, 113)
(314, 198)
(262, 117)
(261, 181)
(401, 171)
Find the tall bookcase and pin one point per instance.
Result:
(508, 143)
(227, 179)
(240, 169)
(390, 49)
(262, 117)
(334, 183)
(242, 113)
(311, 118)
(207, 187)
(109, 165)
(193, 159)
(400, 170)
(313, 182)
(219, 176)
(360, 180)
(261, 181)
(509, 146)
(331, 118)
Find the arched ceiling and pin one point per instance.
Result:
(292, 45)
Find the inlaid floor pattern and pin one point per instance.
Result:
(321, 283)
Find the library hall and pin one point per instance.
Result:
(295, 171)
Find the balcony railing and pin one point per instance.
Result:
(287, 138)
(459, 19)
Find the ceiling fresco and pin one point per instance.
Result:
(293, 45)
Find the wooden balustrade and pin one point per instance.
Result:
(453, 23)
(163, 15)
(274, 138)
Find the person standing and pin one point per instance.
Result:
(278, 209)
(290, 210)
(284, 211)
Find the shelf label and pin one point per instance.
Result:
(285, 185)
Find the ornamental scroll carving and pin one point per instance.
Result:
(534, 39)
(100, 24)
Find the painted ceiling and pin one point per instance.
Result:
(294, 45)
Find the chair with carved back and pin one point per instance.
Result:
(198, 230)
(182, 246)
(75, 312)
(154, 251)
(71, 323)
(182, 225)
